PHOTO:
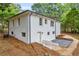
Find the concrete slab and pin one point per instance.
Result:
(63, 51)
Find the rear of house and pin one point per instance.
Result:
(31, 27)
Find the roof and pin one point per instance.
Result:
(35, 13)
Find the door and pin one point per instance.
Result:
(40, 36)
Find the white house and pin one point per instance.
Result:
(30, 26)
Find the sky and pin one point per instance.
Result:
(26, 6)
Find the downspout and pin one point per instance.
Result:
(30, 31)
(8, 27)
(55, 29)
(30, 27)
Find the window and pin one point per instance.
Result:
(13, 22)
(19, 21)
(12, 33)
(23, 34)
(45, 21)
(48, 33)
(53, 32)
(52, 23)
(40, 21)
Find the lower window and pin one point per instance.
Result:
(23, 34)
(53, 32)
(12, 33)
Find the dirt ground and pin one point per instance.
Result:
(73, 35)
(13, 47)
(76, 50)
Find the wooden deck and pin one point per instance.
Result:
(13, 47)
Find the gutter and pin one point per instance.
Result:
(55, 29)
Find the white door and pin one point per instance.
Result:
(40, 36)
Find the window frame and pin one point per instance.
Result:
(45, 21)
(40, 21)
(51, 23)
(48, 33)
(13, 22)
(53, 32)
(12, 32)
(19, 21)
(23, 34)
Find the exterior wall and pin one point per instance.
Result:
(35, 28)
(18, 29)
(58, 28)
(30, 25)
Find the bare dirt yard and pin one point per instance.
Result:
(76, 51)
(13, 47)
(73, 35)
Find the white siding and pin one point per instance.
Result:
(35, 28)
(19, 29)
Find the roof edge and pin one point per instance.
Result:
(55, 18)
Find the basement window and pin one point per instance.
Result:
(12, 33)
(53, 32)
(23, 34)
(48, 33)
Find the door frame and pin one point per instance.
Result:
(40, 36)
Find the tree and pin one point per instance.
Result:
(73, 19)
(48, 9)
(7, 10)
(67, 13)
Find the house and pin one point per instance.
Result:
(29, 26)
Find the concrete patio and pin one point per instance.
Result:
(63, 51)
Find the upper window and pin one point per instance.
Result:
(45, 21)
(13, 22)
(52, 23)
(40, 21)
(19, 21)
